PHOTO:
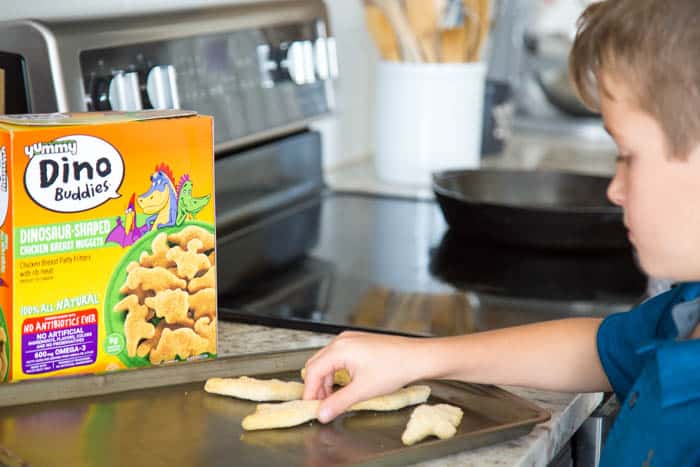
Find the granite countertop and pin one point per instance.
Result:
(537, 448)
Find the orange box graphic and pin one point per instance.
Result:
(107, 242)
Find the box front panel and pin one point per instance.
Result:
(107, 276)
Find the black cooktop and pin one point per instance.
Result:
(391, 264)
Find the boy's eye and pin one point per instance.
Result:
(622, 159)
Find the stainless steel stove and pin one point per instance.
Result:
(390, 264)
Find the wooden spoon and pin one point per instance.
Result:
(473, 24)
(423, 18)
(480, 17)
(382, 33)
(453, 31)
(396, 16)
(453, 43)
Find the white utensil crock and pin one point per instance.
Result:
(428, 117)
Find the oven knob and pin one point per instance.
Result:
(332, 57)
(307, 48)
(99, 97)
(267, 65)
(161, 87)
(321, 53)
(124, 92)
(325, 53)
(326, 60)
(300, 62)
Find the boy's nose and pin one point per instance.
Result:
(616, 190)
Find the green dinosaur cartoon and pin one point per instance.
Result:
(188, 206)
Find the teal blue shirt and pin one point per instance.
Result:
(654, 370)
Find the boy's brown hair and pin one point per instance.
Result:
(654, 46)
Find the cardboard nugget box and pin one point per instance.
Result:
(107, 235)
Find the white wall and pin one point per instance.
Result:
(347, 134)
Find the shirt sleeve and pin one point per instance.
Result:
(621, 335)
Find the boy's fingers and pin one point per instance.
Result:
(328, 385)
(317, 372)
(310, 362)
(325, 389)
(312, 381)
(337, 403)
(321, 367)
(314, 357)
(312, 387)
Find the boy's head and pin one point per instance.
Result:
(653, 46)
(638, 62)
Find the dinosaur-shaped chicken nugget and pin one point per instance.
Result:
(189, 262)
(184, 236)
(130, 303)
(158, 257)
(440, 420)
(172, 305)
(404, 397)
(340, 377)
(208, 280)
(149, 344)
(206, 327)
(138, 291)
(281, 415)
(183, 343)
(255, 389)
(136, 328)
(203, 303)
(155, 279)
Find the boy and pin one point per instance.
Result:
(638, 62)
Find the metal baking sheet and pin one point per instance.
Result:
(162, 417)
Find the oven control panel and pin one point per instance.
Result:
(250, 80)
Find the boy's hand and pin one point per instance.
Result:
(378, 364)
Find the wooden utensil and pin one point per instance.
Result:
(485, 18)
(479, 19)
(453, 43)
(423, 19)
(454, 31)
(472, 24)
(397, 18)
(380, 29)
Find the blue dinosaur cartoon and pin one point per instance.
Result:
(160, 199)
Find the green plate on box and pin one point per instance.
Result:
(115, 342)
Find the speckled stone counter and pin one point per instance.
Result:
(535, 449)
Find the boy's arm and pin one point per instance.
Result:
(559, 355)
(553, 355)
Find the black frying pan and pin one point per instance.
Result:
(543, 209)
